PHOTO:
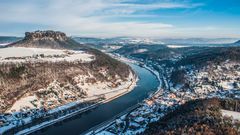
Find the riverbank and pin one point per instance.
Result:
(100, 129)
(151, 69)
(78, 124)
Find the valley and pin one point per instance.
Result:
(187, 75)
(120, 67)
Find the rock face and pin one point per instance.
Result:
(47, 39)
(52, 35)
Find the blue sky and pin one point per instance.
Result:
(111, 18)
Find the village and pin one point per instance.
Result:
(221, 81)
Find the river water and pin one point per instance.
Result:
(76, 125)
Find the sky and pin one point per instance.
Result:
(128, 18)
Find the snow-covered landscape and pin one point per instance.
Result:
(213, 81)
(233, 114)
(47, 77)
(210, 81)
(55, 96)
(22, 54)
(176, 46)
(120, 67)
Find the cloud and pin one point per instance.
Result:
(126, 8)
(78, 8)
(88, 17)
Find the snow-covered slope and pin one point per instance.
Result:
(22, 54)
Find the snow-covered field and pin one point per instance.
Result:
(234, 115)
(176, 46)
(24, 52)
(105, 87)
(3, 44)
(49, 55)
(24, 102)
(141, 50)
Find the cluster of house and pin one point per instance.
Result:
(46, 103)
(11, 120)
(214, 78)
(55, 94)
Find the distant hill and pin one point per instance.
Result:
(238, 42)
(47, 39)
(8, 39)
(211, 55)
(198, 41)
(117, 40)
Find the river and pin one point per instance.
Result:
(78, 124)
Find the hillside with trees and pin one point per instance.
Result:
(197, 117)
(23, 76)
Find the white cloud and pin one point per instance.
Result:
(88, 17)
